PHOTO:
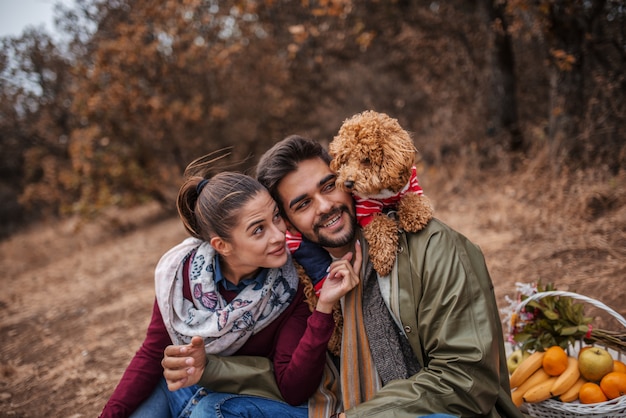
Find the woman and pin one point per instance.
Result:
(233, 284)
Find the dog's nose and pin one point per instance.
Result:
(349, 184)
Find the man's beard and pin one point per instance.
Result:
(334, 242)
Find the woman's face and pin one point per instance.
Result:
(258, 239)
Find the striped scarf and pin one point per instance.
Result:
(367, 207)
(358, 381)
(374, 351)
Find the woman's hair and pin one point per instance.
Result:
(208, 205)
(283, 158)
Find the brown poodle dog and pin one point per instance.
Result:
(374, 159)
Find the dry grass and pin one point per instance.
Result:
(77, 298)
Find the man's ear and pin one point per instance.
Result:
(221, 246)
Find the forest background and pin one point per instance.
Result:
(517, 107)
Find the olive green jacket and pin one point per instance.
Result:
(442, 295)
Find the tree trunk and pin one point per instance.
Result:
(503, 99)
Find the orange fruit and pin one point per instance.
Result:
(619, 366)
(555, 361)
(591, 393)
(613, 384)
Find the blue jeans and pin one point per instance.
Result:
(157, 405)
(196, 402)
(227, 405)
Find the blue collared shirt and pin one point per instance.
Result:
(258, 280)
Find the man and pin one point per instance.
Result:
(427, 339)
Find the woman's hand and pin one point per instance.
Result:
(343, 276)
(183, 365)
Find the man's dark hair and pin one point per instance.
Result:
(283, 158)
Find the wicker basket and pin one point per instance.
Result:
(555, 409)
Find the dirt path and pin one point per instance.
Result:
(73, 317)
(76, 299)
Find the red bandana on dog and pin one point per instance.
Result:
(367, 207)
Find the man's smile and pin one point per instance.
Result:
(330, 220)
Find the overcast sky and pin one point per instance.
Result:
(15, 15)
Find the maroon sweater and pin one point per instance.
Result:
(296, 342)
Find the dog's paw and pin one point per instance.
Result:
(414, 212)
(384, 265)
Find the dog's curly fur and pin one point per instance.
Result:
(373, 157)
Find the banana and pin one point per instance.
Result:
(567, 378)
(527, 368)
(536, 378)
(539, 392)
(571, 394)
(517, 397)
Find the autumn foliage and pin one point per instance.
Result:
(111, 113)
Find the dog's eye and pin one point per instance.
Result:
(366, 161)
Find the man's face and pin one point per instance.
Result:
(316, 208)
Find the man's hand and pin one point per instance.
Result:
(183, 365)
(343, 276)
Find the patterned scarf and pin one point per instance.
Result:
(224, 326)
